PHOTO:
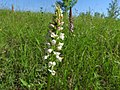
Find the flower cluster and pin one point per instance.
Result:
(55, 42)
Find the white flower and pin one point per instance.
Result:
(51, 64)
(54, 63)
(53, 35)
(59, 48)
(45, 57)
(48, 44)
(49, 50)
(60, 28)
(57, 53)
(62, 36)
(53, 42)
(62, 23)
(52, 72)
(60, 44)
(52, 25)
(59, 58)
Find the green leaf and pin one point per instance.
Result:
(24, 82)
(76, 88)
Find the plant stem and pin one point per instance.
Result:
(49, 80)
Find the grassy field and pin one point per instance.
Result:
(91, 55)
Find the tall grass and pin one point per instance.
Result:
(91, 55)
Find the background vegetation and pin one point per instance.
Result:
(91, 53)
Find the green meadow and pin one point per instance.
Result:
(91, 54)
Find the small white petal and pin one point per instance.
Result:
(62, 23)
(53, 35)
(46, 57)
(57, 53)
(59, 48)
(60, 28)
(62, 36)
(49, 50)
(52, 72)
(54, 63)
(48, 44)
(52, 25)
(50, 64)
(59, 58)
(53, 42)
(60, 44)
(61, 15)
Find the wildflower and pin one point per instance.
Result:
(59, 48)
(62, 23)
(51, 64)
(53, 35)
(52, 25)
(57, 53)
(58, 20)
(52, 72)
(49, 50)
(46, 57)
(54, 63)
(61, 15)
(60, 28)
(53, 42)
(48, 44)
(60, 44)
(59, 58)
(62, 36)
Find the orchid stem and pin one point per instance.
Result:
(49, 80)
